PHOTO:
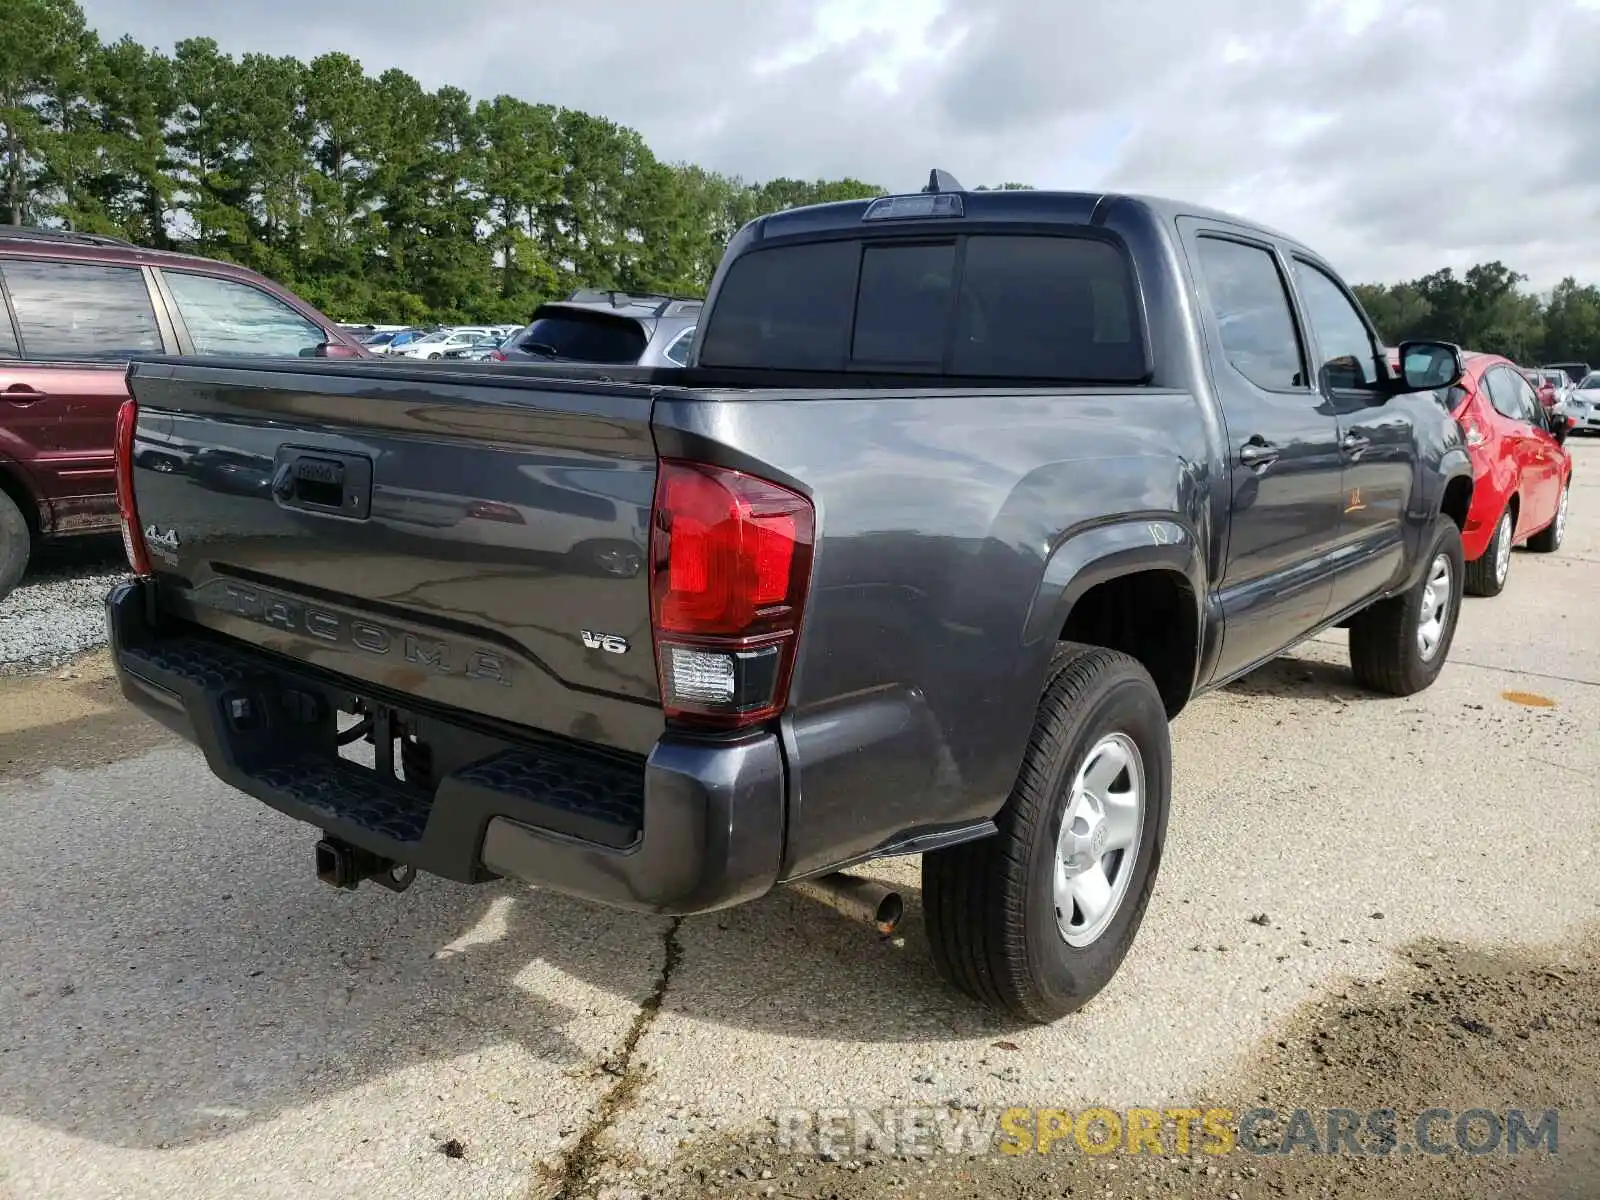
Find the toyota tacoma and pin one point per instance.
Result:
(960, 498)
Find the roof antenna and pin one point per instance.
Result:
(942, 181)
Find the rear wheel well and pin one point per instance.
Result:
(13, 487)
(1457, 500)
(1151, 616)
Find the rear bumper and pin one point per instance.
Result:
(694, 827)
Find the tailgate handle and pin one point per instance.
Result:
(323, 481)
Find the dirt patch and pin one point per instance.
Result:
(1451, 1028)
(72, 717)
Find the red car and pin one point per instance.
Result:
(73, 309)
(1521, 468)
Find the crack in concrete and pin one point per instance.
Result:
(582, 1164)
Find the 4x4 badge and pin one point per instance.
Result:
(169, 539)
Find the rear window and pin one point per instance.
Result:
(1008, 306)
(584, 337)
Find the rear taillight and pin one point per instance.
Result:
(730, 561)
(132, 535)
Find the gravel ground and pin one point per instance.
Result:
(185, 1011)
(56, 613)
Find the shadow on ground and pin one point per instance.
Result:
(171, 970)
(1303, 679)
(75, 556)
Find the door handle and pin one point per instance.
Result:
(1258, 452)
(1354, 443)
(21, 393)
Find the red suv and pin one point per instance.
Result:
(74, 308)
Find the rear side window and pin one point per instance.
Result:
(8, 335)
(81, 310)
(677, 352)
(583, 337)
(1006, 306)
(227, 317)
(1251, 306)
(788, 308)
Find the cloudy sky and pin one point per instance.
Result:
(1395, 136)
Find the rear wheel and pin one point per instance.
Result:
(1399, 645)
(1548, 540)
(1487, 574)
(1036, 920)
(15, 543)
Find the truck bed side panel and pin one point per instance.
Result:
(916, 684)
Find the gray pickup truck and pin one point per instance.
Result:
(960, 499)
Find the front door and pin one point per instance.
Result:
(1522, 428)
(1377, 439)
(1283, 453)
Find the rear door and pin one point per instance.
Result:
(1282, 446)
(1377, 437)
(1517, 408)
(79, 323)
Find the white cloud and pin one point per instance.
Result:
(1396, 136)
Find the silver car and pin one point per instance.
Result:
(615, 328)
(1583, 405)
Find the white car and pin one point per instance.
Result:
(1583, 406)
(435, 344)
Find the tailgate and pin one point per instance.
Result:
(464, 537)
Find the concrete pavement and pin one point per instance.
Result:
(185, 1011)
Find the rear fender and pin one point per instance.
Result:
(1100, 553)
(19, 484)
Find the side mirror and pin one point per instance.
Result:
(1560, 426)
(335, 350)
(1428, 366)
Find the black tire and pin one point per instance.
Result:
(1384, 648)
(989, 905)
(1481, 576)
(15, 544)
(1548, 540)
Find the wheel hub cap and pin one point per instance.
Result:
(1561, 514)
(1435, 608)
(1502, 553)
(1099, 839)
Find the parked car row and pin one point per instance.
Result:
(1582, 405)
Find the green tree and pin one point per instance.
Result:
(43, 77)
(1572, 323)
(136, 103)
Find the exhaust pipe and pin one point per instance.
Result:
(859, 899)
